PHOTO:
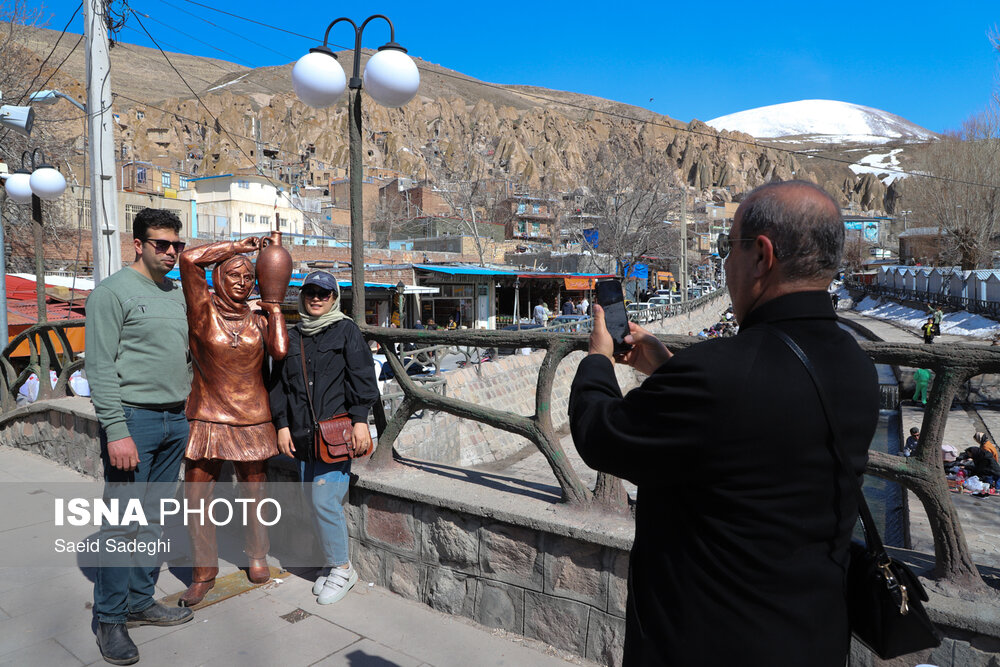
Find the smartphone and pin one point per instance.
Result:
(612, 300)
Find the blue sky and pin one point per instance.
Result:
(932, 64)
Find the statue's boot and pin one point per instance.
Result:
(199, 482)
(252, 476)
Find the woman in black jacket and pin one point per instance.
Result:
(339, 372)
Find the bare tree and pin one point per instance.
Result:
(22, 72)
(964, 200)
(467, 189)
(631, 199)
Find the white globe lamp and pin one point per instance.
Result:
(47, 182)
(391, 77)
(18, 186)
(318, 79)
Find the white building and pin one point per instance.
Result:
(233, 206)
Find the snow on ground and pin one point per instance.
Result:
(880, 163)
(962, 323)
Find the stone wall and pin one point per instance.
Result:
(64, 431)
(566, 592)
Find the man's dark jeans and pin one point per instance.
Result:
(160, 438)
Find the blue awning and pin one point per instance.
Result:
(296, 280)
(464, 270)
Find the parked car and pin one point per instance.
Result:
(514, 327)
(662, 301)
(638, 312)
(568, 321)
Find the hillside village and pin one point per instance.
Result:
(509, 179)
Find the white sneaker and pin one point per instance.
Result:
(321, 579)
(337, 584)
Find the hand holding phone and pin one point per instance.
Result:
(612, 300)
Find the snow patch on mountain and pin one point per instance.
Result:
(836, 122)
(880, 164)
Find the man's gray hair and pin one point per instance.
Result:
(807, 232)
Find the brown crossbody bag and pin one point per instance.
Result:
(331, 437)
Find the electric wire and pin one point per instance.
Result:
(231, 32)
(218, 124)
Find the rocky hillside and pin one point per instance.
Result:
(540, 138)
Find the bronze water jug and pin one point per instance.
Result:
(274, 268)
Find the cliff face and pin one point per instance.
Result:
(469, 126)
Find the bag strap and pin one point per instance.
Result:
(305, 379)
(873, 541)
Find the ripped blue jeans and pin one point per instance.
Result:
(329, 482)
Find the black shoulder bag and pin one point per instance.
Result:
(884, 597)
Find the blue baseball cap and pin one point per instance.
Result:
(323, 280)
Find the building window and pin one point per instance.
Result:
(521, 208)
(165, 179)
(131, 210)
(243, 184)
(140, 174)
(537, 209)
(182, 182)
(250, 217)
(140, 115)
(265, 220)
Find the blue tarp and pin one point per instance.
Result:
(464, 270)
(637, 271)
(591, 236)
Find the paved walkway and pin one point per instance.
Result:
(45, 616)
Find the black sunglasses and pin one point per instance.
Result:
(724, 244)
(315, 292)
(162, 245)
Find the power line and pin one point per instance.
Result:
(714, 137)
(54, 47)
(213, 116)
(231, 32)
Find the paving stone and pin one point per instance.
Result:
(500, 606)
(366, 653)
(512, 554)
(389, 521)
(561, 623)
(618, 582)
(450, 592)
(449, 539)
(301, 643)
(49, 653)
(605, 639)
(404, 577)
(576, 570)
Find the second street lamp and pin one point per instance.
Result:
(392, 79)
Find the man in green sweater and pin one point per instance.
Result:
(137, 366)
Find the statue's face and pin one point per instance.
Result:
(238, 281)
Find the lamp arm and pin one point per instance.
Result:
(326, 35)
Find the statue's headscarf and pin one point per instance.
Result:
(229, 306)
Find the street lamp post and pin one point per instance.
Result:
(392, 79)
(400, 287)
(42, 181)
(517, 302)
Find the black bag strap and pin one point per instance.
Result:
(873, 541)
(305, 380)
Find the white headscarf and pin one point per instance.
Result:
(310, 325)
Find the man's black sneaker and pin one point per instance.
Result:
(115, 644)
(157, 614)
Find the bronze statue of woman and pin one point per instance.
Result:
(228, 407)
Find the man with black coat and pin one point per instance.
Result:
(745, 566)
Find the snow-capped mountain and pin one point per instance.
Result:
(823, 121)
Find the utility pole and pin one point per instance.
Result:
(4, 332)
(684, 244)
(107, 251)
